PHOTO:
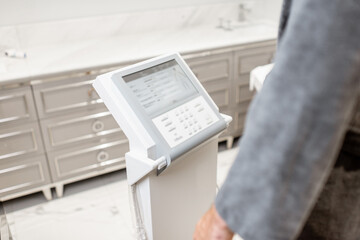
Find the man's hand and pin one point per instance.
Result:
(212, 227)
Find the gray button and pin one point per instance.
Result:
(178, 138)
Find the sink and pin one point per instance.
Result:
(229, 25)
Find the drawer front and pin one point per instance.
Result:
(220, 97)
(240, 116)
(16, 105)
(75, 129)
(23, 175)
(214, 72)
(248, 59)
(248, 63)
(20, 141)
(219, 91)
(73, 163)
(211, 68)
(65, 96)
(243, 93)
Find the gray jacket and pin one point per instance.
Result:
(296, 124)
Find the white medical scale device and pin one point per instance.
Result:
(172, 125)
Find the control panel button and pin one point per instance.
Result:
(185, 121)
(178, 138)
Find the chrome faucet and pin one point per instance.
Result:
(243, 11)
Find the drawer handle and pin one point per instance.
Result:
(98, 126)
(102, 156)
(91, 92)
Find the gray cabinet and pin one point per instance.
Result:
(87, 160)
(16, 105)
(68, 95)
(81, 137)
(22, 176)
(23, 166)
(226, 74)
(215, 72)
(77, 128)
(20, 140)
(245, 60)
(58, 131)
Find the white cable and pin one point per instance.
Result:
(134, 204)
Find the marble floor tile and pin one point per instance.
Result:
(96, 208)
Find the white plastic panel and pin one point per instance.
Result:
(181, 123)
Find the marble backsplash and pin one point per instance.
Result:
(81, 45)
(73, 30)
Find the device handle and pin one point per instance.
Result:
(137, 167)
(228, 119)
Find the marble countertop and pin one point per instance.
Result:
(55, 58)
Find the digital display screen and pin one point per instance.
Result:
(161, 87)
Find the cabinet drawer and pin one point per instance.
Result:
(76, 162)
(16, 104)
(22, 175)
(220, 97)
(211, 69)
(214, 72)
(20, 140)
(240, 116)
(219, 91)
(248, 63)
(78, 128)
(242, 92)
(254, 56)
(65, 96)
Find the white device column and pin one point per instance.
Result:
(173, 202)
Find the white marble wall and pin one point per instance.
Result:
(268, 9)
(104, 26)
(83, 44)
(22, 11)
(101, 27)
(17, 12)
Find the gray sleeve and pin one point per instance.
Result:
(285, 12)
(296, 124)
